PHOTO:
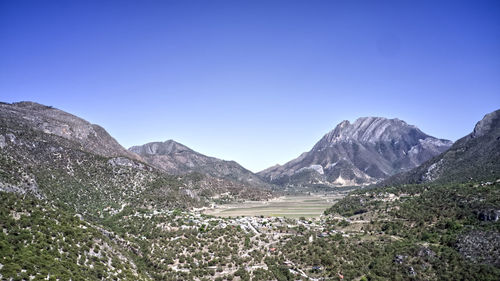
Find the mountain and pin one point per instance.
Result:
(363, 152)
(59, 157)
(175, 158)
(475, 157)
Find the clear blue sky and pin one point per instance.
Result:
(258, 82)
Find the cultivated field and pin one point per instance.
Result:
(285, 206)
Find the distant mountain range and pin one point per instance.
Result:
(364, 152)
(475, 157)
(175, 158)
(40, 141)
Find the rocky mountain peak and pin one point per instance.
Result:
(31, 105)
(365, 151)
(168, 147)
(343, 124)
(370, 130)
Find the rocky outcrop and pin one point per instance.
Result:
(363, 152)
(488, 215)
(480, 246)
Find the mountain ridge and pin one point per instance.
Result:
(47, 119)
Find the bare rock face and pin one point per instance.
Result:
(175, 158)
(363, 152)
(475, 157)
(49, 120)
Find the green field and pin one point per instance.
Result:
(286, 206)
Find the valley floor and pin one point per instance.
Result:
(291, 206)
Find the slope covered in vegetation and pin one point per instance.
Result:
(422, 232)
(40, 242)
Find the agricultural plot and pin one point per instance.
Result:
(286, 206)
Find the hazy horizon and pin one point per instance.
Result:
(257, 82)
